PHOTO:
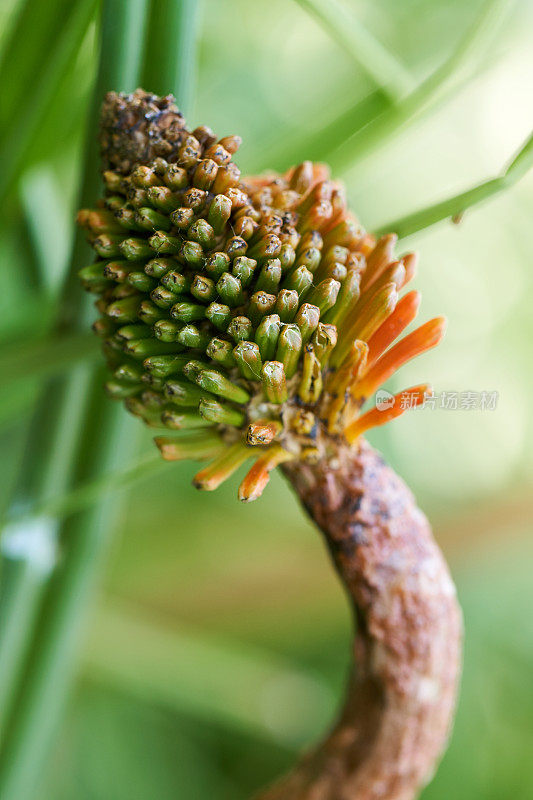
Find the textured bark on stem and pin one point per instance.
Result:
(407, 651)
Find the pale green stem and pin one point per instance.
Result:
(170, 66)
(455, 206)
(82, 496)
(427, 95)
(344, 26)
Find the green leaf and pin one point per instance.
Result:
(48, 220)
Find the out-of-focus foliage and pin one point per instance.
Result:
(220, 645)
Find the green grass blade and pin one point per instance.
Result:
(48, 220)
(24, 126)
(121, 48)
(28, 555)
(355, 132)
(343, 25)
(455, 206)
(521, 163)
(27, 48)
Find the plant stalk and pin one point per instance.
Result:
(171, 64)
(343, 25)
(75, 436)
(401, 694)
(26, 48)
(365, 140)
(454, 207)
(28, 114)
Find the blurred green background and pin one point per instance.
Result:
(219, 645)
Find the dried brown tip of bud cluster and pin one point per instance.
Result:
(138, 127)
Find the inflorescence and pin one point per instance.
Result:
(252, 315)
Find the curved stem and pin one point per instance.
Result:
(401, 694)
(459, 203)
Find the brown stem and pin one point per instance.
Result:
(401, 695)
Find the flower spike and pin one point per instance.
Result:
(247, 312)
(404, 313)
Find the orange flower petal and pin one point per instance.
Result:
(259, 475)
(398, 404)
(415, 343)
(378, 260)
(388, 331)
